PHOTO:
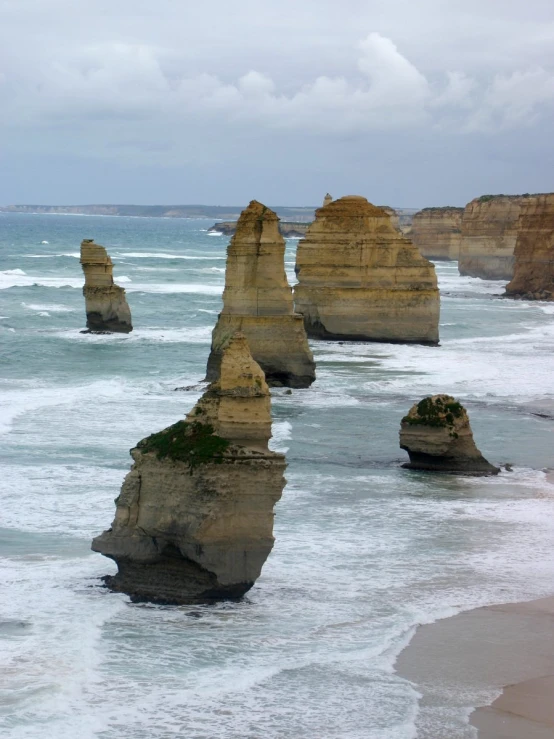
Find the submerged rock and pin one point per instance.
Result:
(194, 519)
(257, 300)
(534, 251)
(437, 436)
(359, 278)
(105, 302)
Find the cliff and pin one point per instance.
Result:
(489, 231)
(360, 279)
(194, 520)
(105, 302)
(287, 230)
(437, 232)
(257, 300)
(534, 251)
(438, 438)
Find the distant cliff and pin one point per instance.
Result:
(225, 212)
(534, 251)
(437, 232)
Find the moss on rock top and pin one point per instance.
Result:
(193, 443)
(440, 411)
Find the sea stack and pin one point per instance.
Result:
(257, 300)
(438, 438)
(437, 232)
(489, 232)
(361, 279)
(194, 520)
(105, 302)
(534, 251)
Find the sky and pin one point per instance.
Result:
(411, 103)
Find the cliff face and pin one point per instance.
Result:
(489, 231)
(438, 438)
(105, 302)
(360, 279)
(194, 520)
(534, 251)
(437, 232)
(257, 300)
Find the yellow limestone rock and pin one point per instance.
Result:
(257, 300)
(194, 520)
(360, 279)
(105, 302)
(438, 438)
(489, 232)
(534, 251)
(437, 232)
(327, 199)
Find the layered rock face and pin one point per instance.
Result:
(534, 251)
(437, 232)
(489, 232)
(360, 279)
(194, 520)
(105, 302)
(437, 436)
(257, 300)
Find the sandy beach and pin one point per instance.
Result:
(499, 659)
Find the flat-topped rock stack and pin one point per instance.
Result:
(105, 302)
(194, 520)
(438, 438)
(534, 251)
(437, 232)
(489, 233)
(361, 279)
(257, 300)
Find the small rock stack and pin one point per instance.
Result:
(438, 438)
(105, 302)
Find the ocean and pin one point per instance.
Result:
(364, 550)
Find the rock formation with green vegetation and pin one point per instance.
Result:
(437, 436)
(194, 519)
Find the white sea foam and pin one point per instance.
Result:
(50, 307)
(164, 255)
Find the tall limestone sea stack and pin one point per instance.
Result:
(489, 232)
(534, 251)
(437, 232)
(257, 300)
(105, 302)
(194, 520)
(437, 436)
(360, 279)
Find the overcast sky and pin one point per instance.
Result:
(408, 102)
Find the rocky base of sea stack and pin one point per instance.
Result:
(438, 438)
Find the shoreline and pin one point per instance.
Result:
(493, 666)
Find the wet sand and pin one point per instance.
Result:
(469, 659)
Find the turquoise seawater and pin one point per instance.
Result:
(364, 550)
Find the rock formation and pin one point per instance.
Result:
(437, 232)
(534, 252)
(394, 217)
(437, 436)
(360, 279)
(105, 302)
(257, 300)
(327, 199)
(194, 519)
(489, 231)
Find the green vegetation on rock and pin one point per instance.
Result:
(437, 412)
(193, 443)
